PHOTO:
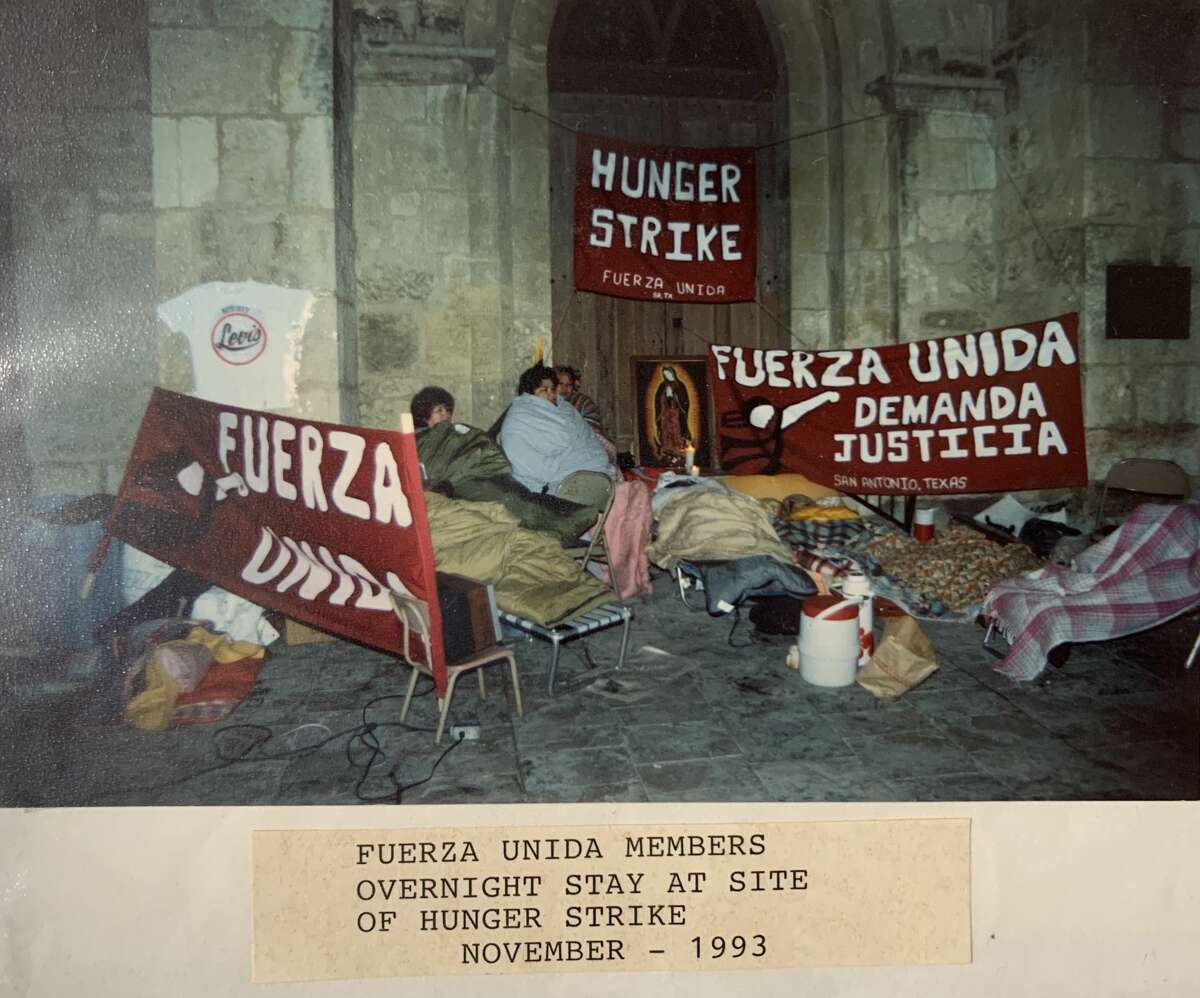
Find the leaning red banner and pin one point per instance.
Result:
(315, 520)
(664, 222)
(993, 411)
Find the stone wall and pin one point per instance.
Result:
(1141, 204)
(75, 187)
(156, 144)
(436, 218)
(241, 103)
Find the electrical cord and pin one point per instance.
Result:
(238, 743)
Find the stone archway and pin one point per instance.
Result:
(840, 184)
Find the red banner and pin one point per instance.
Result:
(664, 222)
(315, 520)
(985, 412)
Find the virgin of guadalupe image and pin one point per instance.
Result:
(671, 406)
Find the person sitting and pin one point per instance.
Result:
(463, 462)
(430, 406)
(567, 384)
(546, 441)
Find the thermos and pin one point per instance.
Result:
(857, 585)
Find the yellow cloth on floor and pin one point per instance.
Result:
(151, 709)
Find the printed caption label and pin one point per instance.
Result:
(357, 904)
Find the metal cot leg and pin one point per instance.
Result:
(555, 640)
(624, 639)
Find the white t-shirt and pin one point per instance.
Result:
(245, 340)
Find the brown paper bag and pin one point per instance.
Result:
(903, 660)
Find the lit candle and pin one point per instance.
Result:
(688, 456)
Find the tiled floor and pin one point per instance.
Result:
(704, 721)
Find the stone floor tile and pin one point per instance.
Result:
(604, 793)
(982, 731)
(835, 780)
(729, 779)
(911, 755)
(581, 767)
(960, 787)
(650, 743)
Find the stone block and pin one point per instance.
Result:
(981, 166)
(1108, 396)
(254, 161)
(809, 224)
(811, 330)
(810, 281)
(180, 13)
(176, 261)
(952, 322)
(203, 71)
(936, 166)
(121, 232)
(1052, 197)
(866, 222)
(1187, 142)
(479, 30)
(1121, 191)
(1181, 193)
(1165, 394)
(164, 134)
(312, 162)
(948, 275)
(1108, 445)
(866, 327)
(406, 205)
(379, 106)
(938, 217)
(198, 172)
(311, 14)
(868, 279)
(390, 340)
(959, 125)
(304, 257)
(1112, 47)
(447, 349)
(1126, 122)
(306, 73)
(174, 361)
(384, 280)
(483, 221)
(420, 161)
(254, 243)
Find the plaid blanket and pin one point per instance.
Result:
(1142, 574)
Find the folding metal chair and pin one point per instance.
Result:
(1149, 477)
(414, 617)
(594, 489)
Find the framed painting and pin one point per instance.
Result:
(673, 412)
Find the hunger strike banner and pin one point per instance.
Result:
(985, 412)
(315, 520)
(664, 222)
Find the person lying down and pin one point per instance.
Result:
(463, 462)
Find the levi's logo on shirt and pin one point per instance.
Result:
(238, 338)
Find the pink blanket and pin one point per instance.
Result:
(626, 533)
(1144, 573)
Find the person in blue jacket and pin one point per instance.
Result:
(545, 440)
